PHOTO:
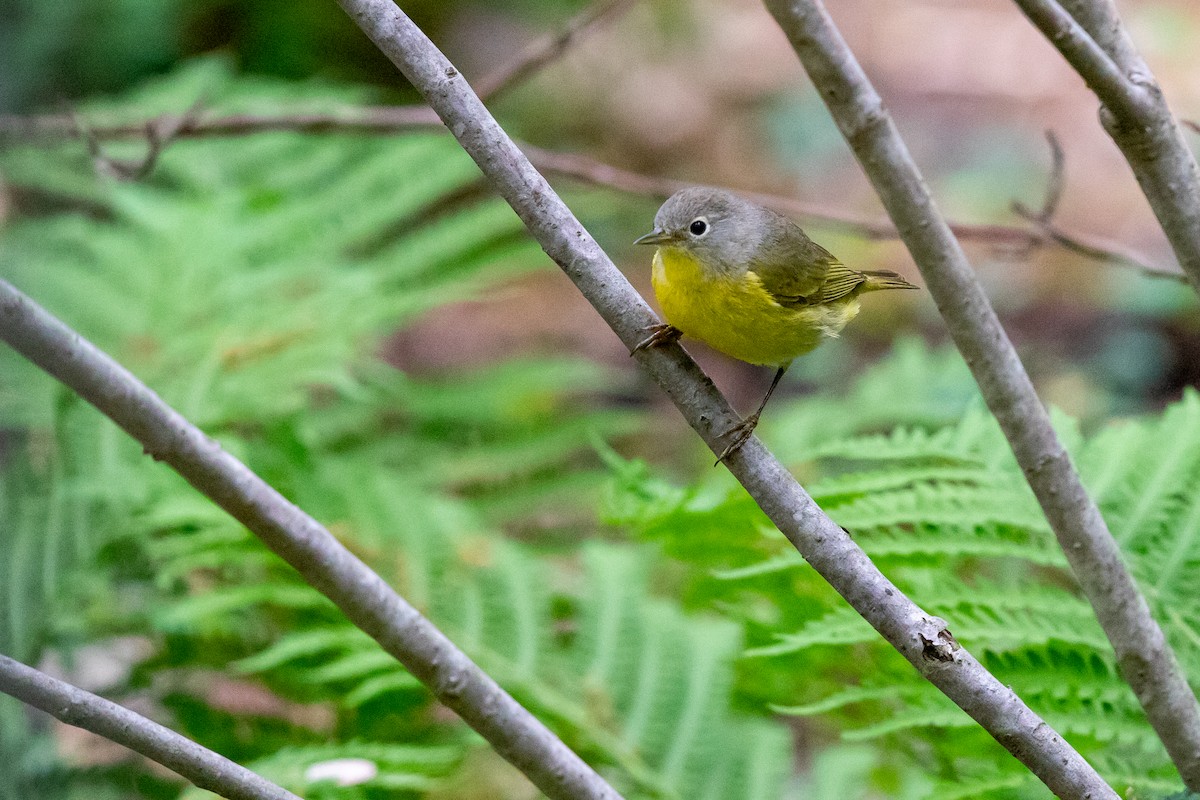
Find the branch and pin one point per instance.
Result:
(1135, 114)
(159, 133)
(392, 119)
(1054, 186)
(922, 639)
(1088, 58)
(368, 119)
(1043, 221)
(544, 51)
(1145, 658)
(74, 706)
(322, 560)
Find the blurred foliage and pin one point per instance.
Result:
(940, 505)
(249, 282)
(54, 52)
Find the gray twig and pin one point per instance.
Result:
(922, 639)
(1054, 186)
(74, 706)
(1145, 658)
(391, 119)
(1043, 220)
(321, 559)
(1090, 36)
(550, 47)
(158, 132)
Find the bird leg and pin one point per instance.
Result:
(660, 334)
(742, 432)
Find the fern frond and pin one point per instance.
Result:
(938, 716)
(984, 541)
(355, 666)
(985, 617)
(787, 560)
(835, 489)
(937, 505)
(373, 688)
(216, 611)
(902, 444)
(1152, 488)
(309, 644)
(841, 699)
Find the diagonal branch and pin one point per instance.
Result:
(322, 560)
(922, 639)
(1082, 52)
(1090, 36)
(393, 119)
(1146, 660)
(74, 706)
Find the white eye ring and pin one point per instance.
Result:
(699, 227)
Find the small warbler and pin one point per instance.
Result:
(750, 283)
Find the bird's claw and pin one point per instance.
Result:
(741, 434)
(660, 334)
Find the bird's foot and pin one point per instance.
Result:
(741, 434)
(660, 334)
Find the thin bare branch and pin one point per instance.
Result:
(74, 706)
(1042, 220)
(1145, 658)
(158, 132)
(321, 559)
(1054, 185)
(549, 48)
(390, 119)
(922, 639)
(1096, 249)
(366, 119)
(1091, 37)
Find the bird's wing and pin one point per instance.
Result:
(797, 271)
(840, 282)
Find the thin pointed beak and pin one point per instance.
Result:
(656, 236)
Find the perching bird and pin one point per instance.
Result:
(749, 282)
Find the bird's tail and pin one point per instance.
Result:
(883, 279)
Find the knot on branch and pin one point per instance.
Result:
(869, 117)
(941, 647)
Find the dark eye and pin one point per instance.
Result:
(698, 227)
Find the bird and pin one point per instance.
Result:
(750, 283)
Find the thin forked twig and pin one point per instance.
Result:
(1145, 658)
(74, 706)
(922, 639)
(550, 48)
(158, 132)
(1054, 185)
(1043, 220)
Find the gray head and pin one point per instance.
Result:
(721, 229)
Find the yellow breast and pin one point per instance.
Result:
(737, 315)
